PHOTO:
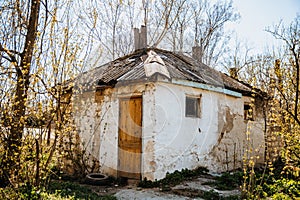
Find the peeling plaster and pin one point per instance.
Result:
(225, 121)
(170, 140)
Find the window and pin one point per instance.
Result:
(248, 112)
(192, 106)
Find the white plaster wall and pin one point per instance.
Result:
(108, 130)
(106, 121)
(216, 140)
(171, 141)
(148, 132)
(84, 111)
(179, 142)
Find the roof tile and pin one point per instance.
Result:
(179, 66)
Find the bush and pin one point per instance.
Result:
(283, 188)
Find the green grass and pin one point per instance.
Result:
(66, 189)
(174, 178)
(57, 190)
(227, 181)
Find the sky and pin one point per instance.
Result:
(257, 15)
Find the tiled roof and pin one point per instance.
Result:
(132, 67)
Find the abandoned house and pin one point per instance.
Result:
(155, 111)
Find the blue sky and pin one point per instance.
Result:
(256, 15)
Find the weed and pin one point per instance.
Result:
(227, 181)
(174, 178)
(56, 191)
(211, 194)
(66, 189)
(148, 184)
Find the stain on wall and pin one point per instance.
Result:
(225, 121)
(171, 141)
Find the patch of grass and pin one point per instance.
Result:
(211, 194)
(149, 184)
(233, 197)
(227, 181)
(55, 191)
(67, 189)
(174, 178)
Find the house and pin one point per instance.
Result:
(155, 111)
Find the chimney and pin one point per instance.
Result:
(140, 38)
(197, 53)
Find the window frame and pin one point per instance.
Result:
(197, 110)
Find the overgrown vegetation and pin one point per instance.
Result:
(265, 183)
(39, 50)
(214, 195)
(279, 76)
(228, 181)
(56, 190)
(76, 190)
(207, 195)
(276, 182)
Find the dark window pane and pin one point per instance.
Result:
(192, 107)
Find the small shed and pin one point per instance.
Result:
(155, 111)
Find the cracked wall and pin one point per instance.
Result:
(217, 140)
(237, 138)
(97, 118)
(170, 140)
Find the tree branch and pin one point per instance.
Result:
(11, 54)
(31, 33)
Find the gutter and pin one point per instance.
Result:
(207, 87)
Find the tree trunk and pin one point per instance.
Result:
(18, 120)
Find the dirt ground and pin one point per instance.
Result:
(192, 189)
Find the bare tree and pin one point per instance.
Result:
(287, 69)
(38, 52)
(177, 33)
(277, 73)
(162, 18)
(19, 32)
(108, 23)
(208, 24)
(176, 25)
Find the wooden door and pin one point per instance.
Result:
(130, 138)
